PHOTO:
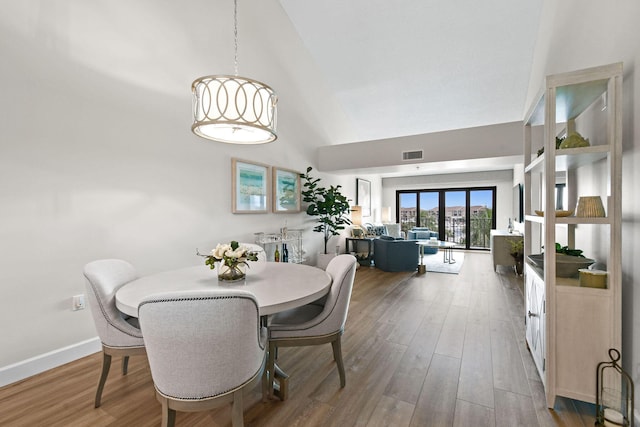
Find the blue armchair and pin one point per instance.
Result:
(390, 254)
(423, 233)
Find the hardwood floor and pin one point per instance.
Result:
(429, 350)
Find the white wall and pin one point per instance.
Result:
(503, 180)
(483, 142)
(96, 155)
(577, 34)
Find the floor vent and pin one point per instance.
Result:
(412, 155)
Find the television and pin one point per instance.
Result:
(518, 203)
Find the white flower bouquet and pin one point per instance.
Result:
(231, 259)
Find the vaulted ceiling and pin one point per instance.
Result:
(395, 68)
(411, 67)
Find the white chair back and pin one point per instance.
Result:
(342, 270)
(104, 278)
(202, 344)
(394, 230)
(317, 323)
(333, 316)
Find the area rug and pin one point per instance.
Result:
(435, 263)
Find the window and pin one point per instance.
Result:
(464, 216)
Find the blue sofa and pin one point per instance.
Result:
(423, 233)
(393, 254)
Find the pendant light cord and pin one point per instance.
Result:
(235, 35)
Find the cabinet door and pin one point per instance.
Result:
(535, 316)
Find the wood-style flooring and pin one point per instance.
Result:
(428, 350)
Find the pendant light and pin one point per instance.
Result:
(233, 109)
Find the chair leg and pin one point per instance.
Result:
(106, 364)
(265, 383)
(283, 384)
(237, 409)
(271, 367)
(171, 421)
(337, 356)
(125, 365)
(168, 414)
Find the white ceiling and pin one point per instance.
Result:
(411, 67)
(396, 68)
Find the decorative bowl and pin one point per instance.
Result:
(559, 213)
(574, 140)
(566, 265)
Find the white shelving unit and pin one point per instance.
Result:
(291, 237)
(569, 329)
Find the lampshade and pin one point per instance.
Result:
(356, 215)
(386, 214)
(234, 110)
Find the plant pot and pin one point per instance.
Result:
(519, 267)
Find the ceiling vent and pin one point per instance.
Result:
(412, 155)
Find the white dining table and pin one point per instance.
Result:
(277, 286)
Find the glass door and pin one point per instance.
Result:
(429, 210)
(464, 216)
(455, 217)
(480, 218)
(407, 208)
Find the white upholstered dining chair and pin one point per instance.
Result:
(319, 322)
(119, 334)
(205, 348)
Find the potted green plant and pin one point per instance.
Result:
(517, 252)
(566, 250)
(329, 205)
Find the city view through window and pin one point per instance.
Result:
(463, 216)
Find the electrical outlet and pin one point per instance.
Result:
(78, 302)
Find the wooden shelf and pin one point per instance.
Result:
(569, 328)
(571, 158)
(536, 165)
(572, 286)
(574, 93)
(569, 284)
(580, 220)
(534, 218)
(570, 220)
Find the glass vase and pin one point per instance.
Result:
(231, 273)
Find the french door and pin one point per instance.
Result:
(464, 216)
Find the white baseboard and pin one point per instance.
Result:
(24, 369)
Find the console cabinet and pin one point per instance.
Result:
(502, 246)
(570, 328)
(535, 334)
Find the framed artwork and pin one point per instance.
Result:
(250, 187)
(286, 190)
(363, 196)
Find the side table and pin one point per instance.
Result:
(446, 250)
(364, 258)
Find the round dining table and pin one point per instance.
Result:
(277, 286)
